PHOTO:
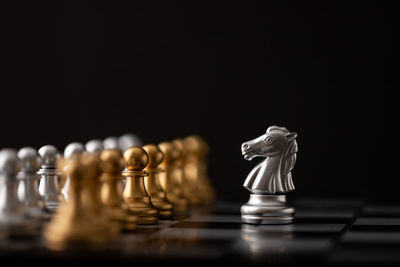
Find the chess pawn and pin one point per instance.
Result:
(91, 194)
(111, 143)
(135, 194)
(190, 188)
(196, 167)
(128, 140)
(152, 182)
(49, 189)
(28, 191)
(94, 146)
(111, 189)
(72, 149)
(14, 215)
(171, 177)
(73, 224)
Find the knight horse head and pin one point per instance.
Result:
(271, 176)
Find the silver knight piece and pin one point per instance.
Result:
(49, 188)
(271, 179)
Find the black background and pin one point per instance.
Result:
(224, 70)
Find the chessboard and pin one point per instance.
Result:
(326, 232)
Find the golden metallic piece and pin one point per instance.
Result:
(80, 221)
(135, 194)
(191, 190)
(171, 177)
(111, 189)
(196, 166)
(152, 182)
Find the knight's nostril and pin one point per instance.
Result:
(246, 146)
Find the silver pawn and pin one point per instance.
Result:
(74, 148)
(49, 188)
(111, 143)
(128, 140)
(28, 186)
(14, 216)
(94, 146)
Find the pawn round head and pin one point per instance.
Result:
(136, 158)
(128, 140)
(156, 156)
(9, 161)
(113, 161)
(171, 153)
(49, 155)
(91, 164)
(74, 148)
(111, 143)
(30, 159)
(179, 144)
(195, 145)
(94, 146)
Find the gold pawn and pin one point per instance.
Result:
(152, 182)
(111, 189)
(191, 190)
(72, 224)
(171, 177)
(135, 194)
(196, 166)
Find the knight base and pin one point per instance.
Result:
(267, 209)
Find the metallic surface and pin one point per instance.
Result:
(128, 140)
(111, 189)
(196, 167)
(152, 182)
(81, 221)
(267, 209)
(271, 178)
(111, 143)
(94, 146)
(14, 216)
(171, 177)
(28, 183)
(135, 194)
(49, 189)
(70, 150)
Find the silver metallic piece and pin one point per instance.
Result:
(49, 188)
(94, 146)
(271, 179)
(129, 140)
(14, 216)
(111, 143)
(74, 148)
(28, 183)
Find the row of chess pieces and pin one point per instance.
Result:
(92, 193)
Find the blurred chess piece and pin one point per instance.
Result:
(14, 215)
(129, 140)
(191, 191)
(271, 179)
(196, 167)
(135, 194)
(111, 142)
(152, 182)
(171, 177)
(94, 146)
(77, 222)
(111, 190)
(49, 189)
(28, 192)
(70, 150)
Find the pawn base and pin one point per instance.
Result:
(267, 209)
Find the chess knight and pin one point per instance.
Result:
(271, 179)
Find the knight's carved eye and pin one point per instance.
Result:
(268, 140)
